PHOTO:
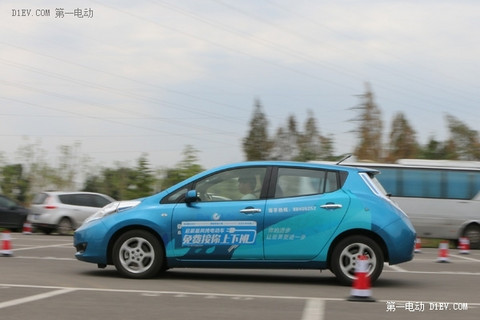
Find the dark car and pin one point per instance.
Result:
(12, 215)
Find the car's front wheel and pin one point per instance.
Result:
(346, 253)
(138, 254)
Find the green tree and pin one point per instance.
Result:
(403, 143)
(116, 182)
(71, 164)
(35, 167)
(186, 168)
(13, 182)
(369, 129)
(141, 184)
(257, 144)
(438, 150)
(464, 141)
(311, 144)
(285, 145)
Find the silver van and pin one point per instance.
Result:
(64, 211)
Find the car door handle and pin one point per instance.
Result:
(331, 206)
(250, 210)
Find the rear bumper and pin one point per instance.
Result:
(400, 239)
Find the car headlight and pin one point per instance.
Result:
(111, 208)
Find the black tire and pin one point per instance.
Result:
(345, 254)
(138, 254)
(65, 227)
(472, 232)
(47, 231)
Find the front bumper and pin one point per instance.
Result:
(91, 243)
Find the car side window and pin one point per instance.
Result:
(99, 201)
(293, 182)
(176, 196)
(6, 203)
(67, 199)
(236, 184)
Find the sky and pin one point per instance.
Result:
(127, 78)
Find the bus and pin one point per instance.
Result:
(441, 197)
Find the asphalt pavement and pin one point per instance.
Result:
(43, 280)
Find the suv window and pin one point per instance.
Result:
(39, 198)
(67, 199)
(99, 201)
(84, 200)
(292, 182)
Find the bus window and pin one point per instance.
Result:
(460, 185)
(389, 180)
(422, 183)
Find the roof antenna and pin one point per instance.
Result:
(348, 155)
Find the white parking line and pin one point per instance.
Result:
(441, 272)
(397, 268)
(466, 258)
(175, 293)
(45, 258)
(314, 309)
(43, 247)
(36, 297)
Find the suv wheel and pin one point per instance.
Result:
(65, 226)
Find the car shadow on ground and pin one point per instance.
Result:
(325, 278)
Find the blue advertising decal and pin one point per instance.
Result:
(200, 233)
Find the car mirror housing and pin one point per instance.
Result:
(191, 196)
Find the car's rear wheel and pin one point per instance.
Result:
(472, 232)
(65, 226)
(346, 253)
(138, 254)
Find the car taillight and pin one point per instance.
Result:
(49, 204)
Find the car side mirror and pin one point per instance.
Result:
(191, 196)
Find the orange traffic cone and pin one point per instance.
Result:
(361, 290)
(443, 252)
(418, 245)
(6, 244)
(27, 228)
(464, 245)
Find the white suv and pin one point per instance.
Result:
(64, 211)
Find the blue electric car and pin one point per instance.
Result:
(268, 214)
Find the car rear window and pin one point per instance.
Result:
(39, 198)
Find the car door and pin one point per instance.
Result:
(7, 215)
(223, 223)
(11, 215)
(303, 212)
